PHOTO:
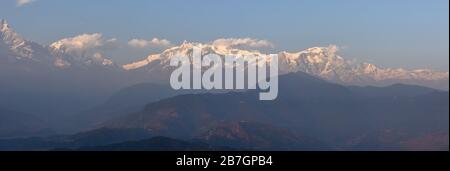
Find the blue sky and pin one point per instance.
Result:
(399, 33)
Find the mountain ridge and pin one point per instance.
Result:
(333, 114)
(323, 62)
(52, 55)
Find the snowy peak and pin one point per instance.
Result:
(3, 25)
(79, 50)
(326, 63)
(315, 55)
(369, 68)
(65, 59)
(142, 63)
(17, 45)
(186, 49)
(61, 54)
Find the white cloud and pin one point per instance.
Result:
(332, 50)
(246, 42)
(112, 43)
(84, 42)
(140, 43)
(23, 2)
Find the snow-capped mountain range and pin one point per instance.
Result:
(323, 62)
(66, 55)
(16, 48)
(19, 50)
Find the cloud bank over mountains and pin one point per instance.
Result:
(24, 2)
(83, 43)
(141, 43)
(242, 42)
